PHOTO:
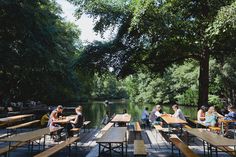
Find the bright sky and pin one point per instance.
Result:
(85, 23)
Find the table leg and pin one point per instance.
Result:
(99, 149)
(122, 147)
(216, 152)
(110, 149)
(204, 151)
(169, 129)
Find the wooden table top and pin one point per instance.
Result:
(226, 121)
(172, 120)
(123, 118)
(28, 136)
(67, 119)
(17, 117)
(212, 138)
(114, 135)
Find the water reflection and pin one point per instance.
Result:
(95, 111)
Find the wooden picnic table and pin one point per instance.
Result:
(213, 139)
(29, 137)
(114, 138)
(65, 120)
(172, 120)
(14, 118)
(121, 118)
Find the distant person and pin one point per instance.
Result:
(201, 114)
(145, 117)
(178, 113)
(230, 116)
(155, 116)
(44, 120)
(124, 111)
(106, 118)
(77, 122)
(212, 116)
(55, 114)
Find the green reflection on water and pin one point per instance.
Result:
(95, 111)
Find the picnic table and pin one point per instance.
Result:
(225, 123)
(121, 118)
(212, 139)
(65, 120)
(172, 120)
(29, 137)
(114, 138)
(7, 120)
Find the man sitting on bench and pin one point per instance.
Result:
(55, 114)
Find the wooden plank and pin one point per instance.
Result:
(58, 147)
(182, 147)
(158, 127)
(107, 127)
(122, 118)
(137, 127)
(228, 150)
(139, 147)
(23, 125)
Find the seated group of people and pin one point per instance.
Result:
(210, 117)
(154, 117)
(57, 115)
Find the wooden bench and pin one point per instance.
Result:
(13, 128)
(228, 150)
(137, 129)
(57, 147)
(215, 129)
(139, 148)
(6, 149)
(181, 147)
(107, 127)
(158, 127)
(85, 124)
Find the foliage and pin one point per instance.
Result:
(37, 50)
(155, 34)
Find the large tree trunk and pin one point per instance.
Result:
(204, 79)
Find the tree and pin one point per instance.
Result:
(37, 49)
(154, 34)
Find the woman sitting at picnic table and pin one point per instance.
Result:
(178, 113)
(212, 116)
(201, 114)
(78, 122)
(155, 116)
(230, 116)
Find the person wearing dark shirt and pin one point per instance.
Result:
(230, 116)
(78, 122)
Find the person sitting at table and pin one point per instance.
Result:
(44, 120)
(230, 116)
(201, 114)
(55, 114)
(178, 113)
(212, 116)
(145, 117)
(155, 116)
(77, 122)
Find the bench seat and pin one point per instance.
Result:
(107, 127)
(23, 125)
(158, 127)
(228, 150)
(182, 147)
(57, 147)
(139, 148)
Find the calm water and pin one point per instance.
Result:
(95, 111)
